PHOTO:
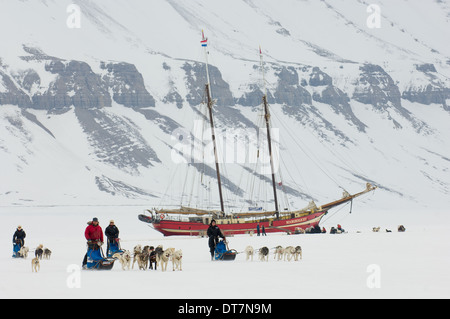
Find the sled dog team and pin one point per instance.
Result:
(148, 256)
(400, 229)
(280, 253)
(39, 253)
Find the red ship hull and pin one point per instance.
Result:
(186, 228)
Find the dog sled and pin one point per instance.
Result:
(221, 252)
(96, 259)
(17, 245)
(113, 247)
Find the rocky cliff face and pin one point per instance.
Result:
(435, 91)
(115, 140)
(377, 88)
(11, 93)
(289, 90)
(195, 82)
(127, 85)
(74, 84)
(297, 88)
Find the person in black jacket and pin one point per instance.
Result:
(18, 240)
(112, 233)
(213, 234)
(19, 236)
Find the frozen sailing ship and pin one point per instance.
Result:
(195, 221)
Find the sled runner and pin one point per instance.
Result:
(96, 259)
(222, 252)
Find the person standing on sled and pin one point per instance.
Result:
(18, 240)
(112, 233)
(213, 234)
(93, 234)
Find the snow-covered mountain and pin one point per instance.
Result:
(89, 113)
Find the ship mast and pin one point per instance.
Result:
(210, 102)
(269, 140)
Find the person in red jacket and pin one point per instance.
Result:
(93, 231)
(94, 235)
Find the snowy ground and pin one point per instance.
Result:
(413, 264)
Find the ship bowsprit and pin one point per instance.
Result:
(145, 218)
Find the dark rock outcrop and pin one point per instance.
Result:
(340, 103)
(196, 80)
(319, 78)
(11, 94)
(289, 91)
(377, 88)
(254, 97)
(115, 140)
(76, 84)
(127, 85)
(434, 92)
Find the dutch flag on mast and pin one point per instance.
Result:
(204, 41)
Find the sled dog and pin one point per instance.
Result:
(249, 251)
(125, 259)
(297, 252)
(39, 251)
(177, 259)
(142, 258)
(23, 252)
(47, 253)
(279, 252)
(289, 253)
(35, 265)
(264, 254)
(165, 257)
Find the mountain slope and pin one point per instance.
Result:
(94, 115)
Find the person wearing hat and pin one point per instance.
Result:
(93, 234)
(213, 234)
(93, 231)
(18, 240)
(112, 233)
